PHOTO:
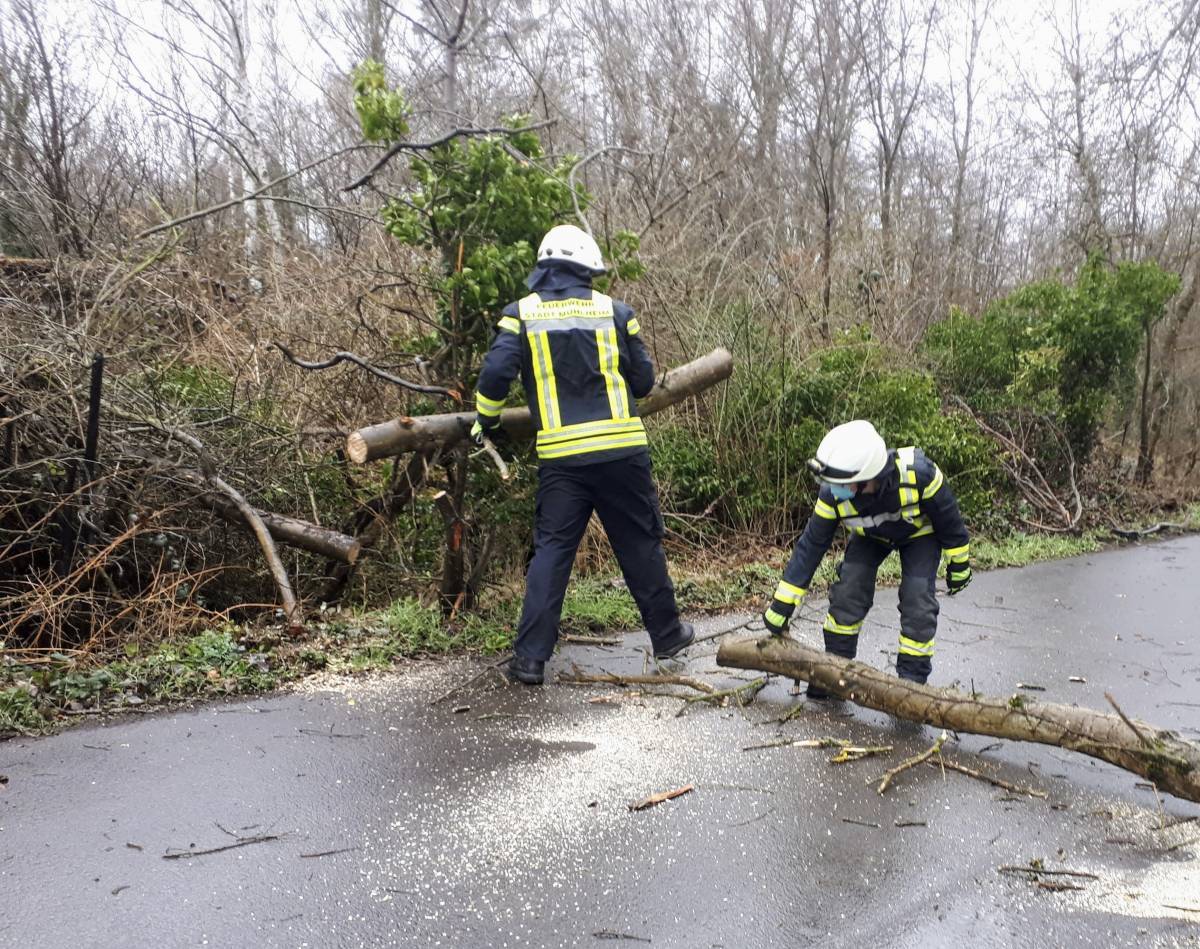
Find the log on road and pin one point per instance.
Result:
(427, 431)
(1154, 753)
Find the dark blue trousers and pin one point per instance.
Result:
(853, 592)
(622, 494)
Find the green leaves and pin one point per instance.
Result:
(1063, 351)
(382, 112)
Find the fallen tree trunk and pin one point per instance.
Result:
(428, 431)
(1155, 754)
(293, 532)
(287, 530)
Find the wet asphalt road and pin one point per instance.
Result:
(498, 816)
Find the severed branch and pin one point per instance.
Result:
(1159, 755)
(430, 431)
(397, 147)
(344, 356)
(291, 607)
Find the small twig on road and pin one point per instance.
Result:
(328, 853)
(752, 820)
(241, 842)
(1054, 887)
(471, 681)
(613, 934)
(860, 823)
(1186, 909)
(910, 823)
(591, 640)
(663, 678)
(742, 694)
(330, 734)
(661, 796)
(1041, 871)
(934, 749)
(979, 776)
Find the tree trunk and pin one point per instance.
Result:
(293, 532)
(1155, 754)
(427, 431)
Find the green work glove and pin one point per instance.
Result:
(479, 432)
(775, 623)
(958, 575)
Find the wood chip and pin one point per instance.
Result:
(660, 797)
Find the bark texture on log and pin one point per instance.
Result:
(294, 532)
(1154, 753)
(427, 431)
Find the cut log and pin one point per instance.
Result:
(1154, 753)
(427, 431)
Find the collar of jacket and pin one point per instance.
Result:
(556, 276)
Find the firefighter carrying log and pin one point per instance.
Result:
(887, 501)
(583, 367)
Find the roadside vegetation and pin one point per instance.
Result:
(185, 355)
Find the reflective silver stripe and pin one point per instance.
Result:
(547, 409)
(558, 323)
(633, 327)
(833, 626)
(825, 510)
(789, 593)
(914, 647)
(570, 433)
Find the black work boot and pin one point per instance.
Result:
(529, 671)
(674, 645)
(815, 692)
(913, 668)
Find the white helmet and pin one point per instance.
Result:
(850, 453)
(570, 243)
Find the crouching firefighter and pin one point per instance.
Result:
(886, 500)
(583, 365)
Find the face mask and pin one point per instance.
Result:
(841, 492)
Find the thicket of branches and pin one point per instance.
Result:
(190, 181)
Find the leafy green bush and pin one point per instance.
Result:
(752, 452)
(1064, 352)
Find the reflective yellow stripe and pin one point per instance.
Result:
(927, 529)
(510, 324)
(846, 509)
(789, 593)
(585, 445)
(566, 433)
(958, 554)
(775, 619)
(932, 488)
(486, 406)
(912, 647)
(825, 510)
(610, 355)
(543, 369)
(833, 626)
(633, 327)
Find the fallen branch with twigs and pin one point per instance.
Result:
(1161, 756)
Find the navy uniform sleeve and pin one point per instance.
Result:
(500, 367)
(941, 507)
(806, 555)
(638, 369)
